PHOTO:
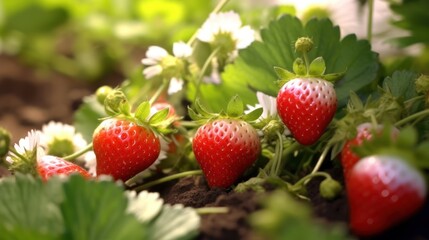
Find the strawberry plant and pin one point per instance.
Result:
(268, 121)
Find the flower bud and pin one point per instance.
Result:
(102, 93)
(330, 189)
(303, 44)
(4, 142)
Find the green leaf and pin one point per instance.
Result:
(159, 116)
(97, 210)
(317, 67)
(142, 111)
(253, 115)
(402, 84)
(235, 107)
(27, 211)
(253, 70)
(175, 222)
(299, 67)
(43, 20)
(284, 74)
(283, 217)
(87, 117)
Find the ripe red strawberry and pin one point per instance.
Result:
(48, 166)
(124, 148)
(382, 191)
(364, 132)
(225, 148)
(306, 106)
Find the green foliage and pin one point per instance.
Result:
(88, 117)
(75, 208)
(414, 18)
(254, 70)
(96, 210)
(402, 84)
(27, 210)
(284, 217)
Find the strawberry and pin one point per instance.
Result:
(225, 148)
(364, 132)
(382, 191)
(48, 166)
(124, 148)
(306, 106)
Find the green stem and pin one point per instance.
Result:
(211, 210)
(158, 92)
(279, 153)
(217, 9)
(412, 117)
(167, 178)
(321, 159)
(203, 70)
(307, 62)
(370, 19)
(305, 179)
(78, 153)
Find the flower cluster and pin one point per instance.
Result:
(172, 67)
(225, 35)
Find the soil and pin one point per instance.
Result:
(29, 99)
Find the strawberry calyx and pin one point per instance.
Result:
(302, 67)
(404, 145)
(234, 110)
(24, 163)
(117, 106)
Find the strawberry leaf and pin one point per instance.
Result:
(28, 211)
(402, 84)
(253, 70)
(317, 67)
(97, 210)
(235, 107)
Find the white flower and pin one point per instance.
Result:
(182, 50)
(90, 161)
(144, 205)
(227, 26)
(176, 84)
(154, 56)
(269, 109)
(267, 103)
(61, 139)
(159, 60)
(27, 146)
